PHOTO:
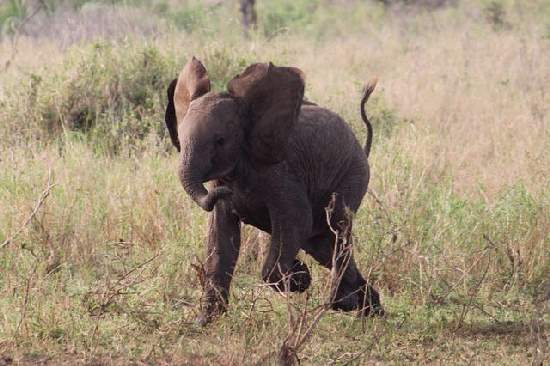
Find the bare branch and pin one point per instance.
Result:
(33, 213)
(341, 256)
(27, 297)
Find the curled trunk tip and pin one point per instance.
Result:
(195, 189)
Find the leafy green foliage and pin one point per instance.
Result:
(12, 13)
(113, 95)
(277, 17)
(495, 13)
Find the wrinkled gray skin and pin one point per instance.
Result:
(285, 198)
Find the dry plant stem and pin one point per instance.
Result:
(540, 342)
(34, 211)
(466, 306)
(118, 288)
(93, 343)
(371, 192)
(297, 336)
(15, 39)
(26, 300)
(514, 258)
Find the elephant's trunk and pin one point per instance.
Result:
(193, 184)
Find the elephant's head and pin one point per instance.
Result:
(215, 131)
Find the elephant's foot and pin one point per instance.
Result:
(211, 308)
(206, 316)
(203, 319)
(365, 299)
(297, 279)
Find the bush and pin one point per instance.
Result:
(112, 96)
(190, 18)
(12, 12)
(429, 4)
(108, 94)
(279, 16)
(495, 14)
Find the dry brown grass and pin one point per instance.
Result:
(455, 233)
(477, 101)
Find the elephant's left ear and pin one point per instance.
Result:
(170, 115)
(274, 96)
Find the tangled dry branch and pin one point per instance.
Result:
(49, 186)
(299, 331)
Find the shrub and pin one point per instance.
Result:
(279, 16)
(495, 14)
(429, 4)
(112, 96)
(109, 94)
(12, 12)
(190, 18)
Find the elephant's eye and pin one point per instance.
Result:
(220, 141)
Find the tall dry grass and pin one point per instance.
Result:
(454, 234)
(476, 101)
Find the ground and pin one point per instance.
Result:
(101, 250)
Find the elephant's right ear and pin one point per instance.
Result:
(191, 84)
(273, 96)
(170, 115)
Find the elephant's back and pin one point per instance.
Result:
(325, 152)
(325, 127)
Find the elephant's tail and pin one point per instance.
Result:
(369, 88)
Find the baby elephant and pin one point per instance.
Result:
(276, 162)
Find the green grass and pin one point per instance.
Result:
(104, 269)
(455, 231)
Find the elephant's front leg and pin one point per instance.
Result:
(223, 243)
(290, 226)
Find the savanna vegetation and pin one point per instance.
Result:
(101, 250)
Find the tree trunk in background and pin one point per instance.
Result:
(249, 17)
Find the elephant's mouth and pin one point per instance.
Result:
(225, 175)
(194, 186)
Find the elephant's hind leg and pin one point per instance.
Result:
(353, 292)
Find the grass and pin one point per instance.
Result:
(455, 232)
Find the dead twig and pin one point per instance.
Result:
(27, 297)
(299, 334)
(119, 288)
(473, 293)
(34, 211)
